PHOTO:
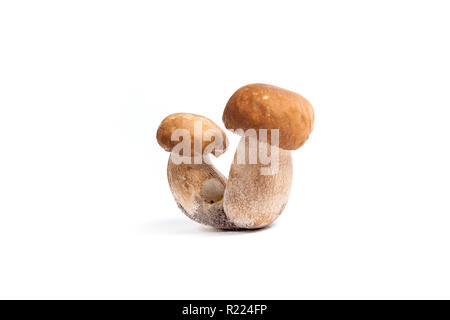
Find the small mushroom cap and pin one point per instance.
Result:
(262, 106)
(200, 129)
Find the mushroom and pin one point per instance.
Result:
(256, 194)
(196, 185)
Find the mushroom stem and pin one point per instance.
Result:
(253, 199)
(198, 190)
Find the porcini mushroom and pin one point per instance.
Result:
(196, 185)
(255, 195)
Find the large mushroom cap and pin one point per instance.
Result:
(199, 128)
(262, 106)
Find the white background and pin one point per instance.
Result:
(85, 208)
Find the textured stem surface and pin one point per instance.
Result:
(198, 190)
(253, 200)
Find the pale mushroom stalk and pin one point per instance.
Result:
(253, 199)
(198, 191)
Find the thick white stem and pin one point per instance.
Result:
(254, 199)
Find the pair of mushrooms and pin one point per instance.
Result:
(256, 192)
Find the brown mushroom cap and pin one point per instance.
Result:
(187, 121)
(262, 106)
